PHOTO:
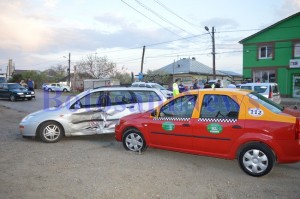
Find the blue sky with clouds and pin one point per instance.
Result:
(37, 34)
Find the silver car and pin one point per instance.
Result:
(91, 112)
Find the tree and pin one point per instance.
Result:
(97, 67)
(123, 77)
(158, 76)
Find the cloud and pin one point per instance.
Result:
(289, 7)
(221, 23)
(19, 32)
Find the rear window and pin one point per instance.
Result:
(246, 87)
(272, 106)
(260, 89)
(275, 89)
(147, 96)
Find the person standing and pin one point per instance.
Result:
(195, 85)
(30, 85)
(175, 87)
(218, 84)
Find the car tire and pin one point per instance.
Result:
(256, 159)
(134, 141)
(50, 132)
(65, 90)
(12, 98)
(49, 89)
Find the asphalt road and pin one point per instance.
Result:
(99, 167)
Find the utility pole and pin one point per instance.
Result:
(212, 34)
(142, 64)
(69, 70)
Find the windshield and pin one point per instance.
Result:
(272, 106)
(75, 98)
(158, 86)
(15, 86)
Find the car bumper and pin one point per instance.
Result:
(28, 129)
(118, 133)
(288, 152)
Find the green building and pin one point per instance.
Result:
(273, 55)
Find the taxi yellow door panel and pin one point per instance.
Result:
(218, 125)
(172, 128)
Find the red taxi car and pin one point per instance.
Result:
(223, 123)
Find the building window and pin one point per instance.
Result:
(265, 52)
(264, 76)
(297, 49)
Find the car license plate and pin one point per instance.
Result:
(27, 95)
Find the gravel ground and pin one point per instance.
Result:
(99, 167)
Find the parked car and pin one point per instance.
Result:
(93, 111)
(57, 87)
(223, 123)
(14, 91)
(268, 90)
(168, 94)
(44, 86)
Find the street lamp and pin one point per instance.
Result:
(212, 34)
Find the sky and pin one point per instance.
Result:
(39, 34)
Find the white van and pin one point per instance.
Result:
(268, 90)
(168, 94)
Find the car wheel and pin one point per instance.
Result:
(133, 140)
(256, 159)
(49, 89)
(50, 132)
(12, 98)
(65, 90)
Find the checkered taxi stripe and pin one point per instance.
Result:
(172, 118)
(216, 120)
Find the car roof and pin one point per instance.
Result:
(255, 84)
(109, 88)
(144, 83)
(220, 91)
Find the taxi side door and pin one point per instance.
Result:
(172, 128)
(219, 124)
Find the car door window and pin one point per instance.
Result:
(146, 96)
(95, 99)
(180, 107)
(219, 106)
(120, 98)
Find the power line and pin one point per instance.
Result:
(161, 17)
(151, 19)
(169, 10)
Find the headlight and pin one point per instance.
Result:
(32, 93)
(20, 93)
(118, 122)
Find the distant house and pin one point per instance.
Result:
(273, 55)
(188, 69)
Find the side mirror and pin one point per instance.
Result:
(154, 113)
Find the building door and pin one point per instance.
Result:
(296, 86)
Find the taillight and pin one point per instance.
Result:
(270, 93)
(298, 128)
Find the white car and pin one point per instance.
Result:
(168, 94)
(268, 90)
(57, 87)
(91, 112)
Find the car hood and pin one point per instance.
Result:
(19, 90)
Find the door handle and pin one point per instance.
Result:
(236, 127)
(129, 106)
(186, 125)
